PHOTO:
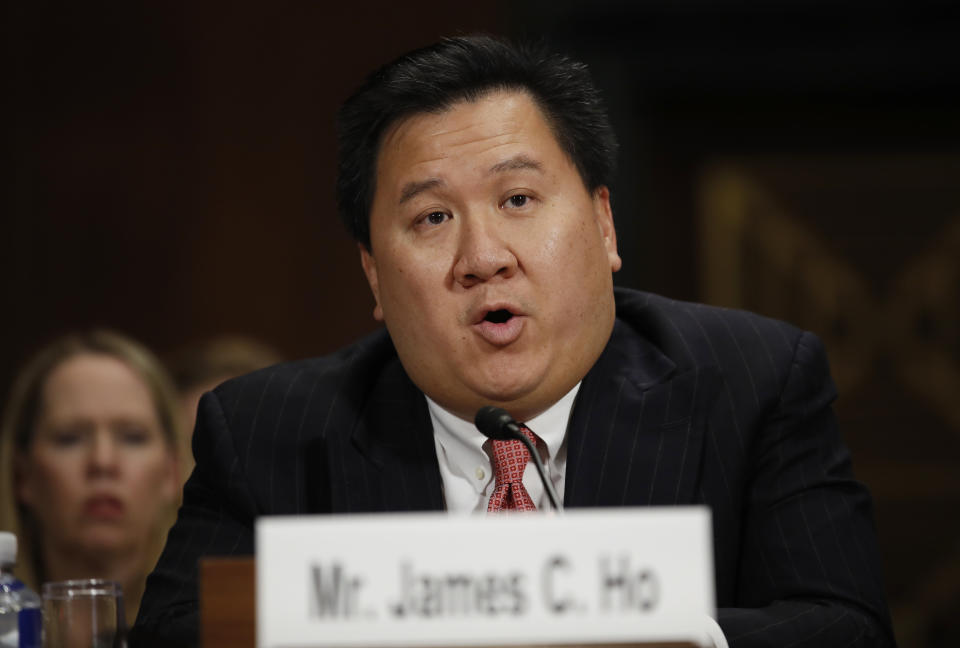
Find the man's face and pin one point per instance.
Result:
(490, 261)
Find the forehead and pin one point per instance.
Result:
(495, 123)
(92, 383)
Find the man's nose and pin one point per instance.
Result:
(482, 253)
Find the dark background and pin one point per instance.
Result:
(172, 175)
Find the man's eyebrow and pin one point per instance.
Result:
(411, 189)
(517, 163)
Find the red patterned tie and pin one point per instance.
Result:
(509, 461)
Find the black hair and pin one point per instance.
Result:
(433, 78)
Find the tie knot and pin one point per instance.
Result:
(510, 459)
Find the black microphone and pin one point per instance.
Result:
(495, 423)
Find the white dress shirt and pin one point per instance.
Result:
(465, 456)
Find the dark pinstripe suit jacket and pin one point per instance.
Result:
(687, 404)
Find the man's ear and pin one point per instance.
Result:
(370, 269)
(604, 215)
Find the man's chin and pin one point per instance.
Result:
(523, 400)
(515, 388)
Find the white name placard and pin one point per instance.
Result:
(590, 576)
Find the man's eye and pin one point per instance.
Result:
(519, 200)
(436, 218)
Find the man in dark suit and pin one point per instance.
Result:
(474, 176)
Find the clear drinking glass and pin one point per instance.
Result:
(83, 614)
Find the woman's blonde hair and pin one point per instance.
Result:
(23, 409)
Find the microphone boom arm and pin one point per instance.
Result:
(538, 462)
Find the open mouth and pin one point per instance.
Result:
(500, 326)
(498, 316)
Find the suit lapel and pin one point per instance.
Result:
(392, 459)
(637, 429)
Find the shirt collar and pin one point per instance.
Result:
(462, 442)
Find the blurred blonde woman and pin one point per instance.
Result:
(88, 457)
